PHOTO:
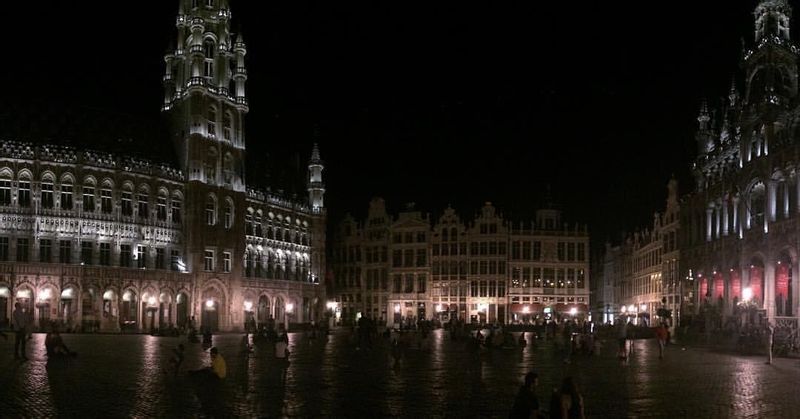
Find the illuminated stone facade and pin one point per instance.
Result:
(488, 270)
(642, 274)
(740, 226)
(109, 242)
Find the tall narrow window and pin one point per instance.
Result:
(105, 254)
(86, 253)
(208, 261)
(126, 204)
(5, 191)
(45, 250)
(160, 255)
(66, 196)
(212, 121)
(141, 256)
(64, 251)
(143, 208)
(176, 210)
(106, 205)
(24, 193)
(211, 211)
(47, 194)
(208, 64)
(226, 126)
(3, 249)
(88, 198)
(226, 262)
(125, 255)
(22, 250)
(228, 215)
(161, 208)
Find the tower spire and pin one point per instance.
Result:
(316, 189)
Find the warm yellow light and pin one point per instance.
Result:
(439, 308)
(643, 307)
(289, 307)
(526, 309)
(209, 303)
(623, 309)
(248, 305)
(747, 294)
(44, 294)
(397, 308)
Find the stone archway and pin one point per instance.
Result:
(263, 312)
(68, 308)
(212, 310)
(783, 286)
(182, 310)
(129, 313)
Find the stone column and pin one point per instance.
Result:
(709, 212)
(771, 202)
(725, 221)
(736, 226)
(769, 288)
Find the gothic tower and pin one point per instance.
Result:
(316, 189)
(205, 103)
(771, 66)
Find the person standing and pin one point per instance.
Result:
(20, 321)
(661, 335)
(526, 404)
(770, 341)
(571, 400)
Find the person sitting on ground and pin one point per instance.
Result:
(218, 369)
(54, 345)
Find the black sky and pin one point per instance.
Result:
(432, 102)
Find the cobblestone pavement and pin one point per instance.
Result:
(121, 376)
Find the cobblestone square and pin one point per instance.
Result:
(122, 376)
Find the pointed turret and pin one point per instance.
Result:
(704, 135)
(316, 189)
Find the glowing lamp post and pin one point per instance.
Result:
(747, 295)
(573, 311)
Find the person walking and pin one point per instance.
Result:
(622, 336)
(661, 335)
(571, 401)
(526, 403)
(21, 324)
(770, 341)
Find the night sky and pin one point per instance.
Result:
(432, 102)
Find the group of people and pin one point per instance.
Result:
(565, 402)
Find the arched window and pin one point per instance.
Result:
(47, 192)
(143, 207)
(757, 207)
(176, 209)
(88, 195)
(5, 188)
(227, 169)
(228, 214)
(211, 210)
(208, 65)
(126, 201)
(161, 206)
(66, 194)
(24, 191)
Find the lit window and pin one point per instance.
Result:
(226, 262)
(228, 215)
(208, 260)
(211, 211)
(141, 256)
